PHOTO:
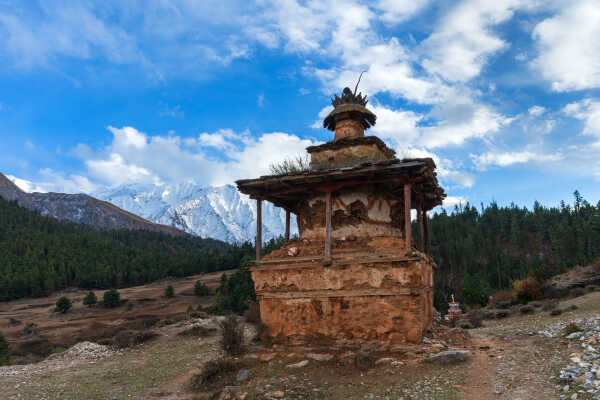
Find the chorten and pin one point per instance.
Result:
(354, 273)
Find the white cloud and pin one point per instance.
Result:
(322, 114)
(174, 112)
(128, 137)
(536, 111)
(463, 41)
(25, 185)
(461, 121)
(484, 161)
(587, 110)
(397, 125)
(451, 201)
(67, 29)
(395, 11)
(445, 167)
(568, 46)
(51, 181)
(134, 156)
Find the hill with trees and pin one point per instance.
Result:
(480, 251)
(39, 255)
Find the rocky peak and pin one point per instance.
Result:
(8, 190)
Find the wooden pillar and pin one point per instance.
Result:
(420, 223)
(287, 225)
(258, 229)
(426, 232)
(328, 225)
(407, 207)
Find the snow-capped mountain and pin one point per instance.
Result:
(217, 212)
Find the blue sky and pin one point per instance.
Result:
(503, 94)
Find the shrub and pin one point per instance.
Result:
(571, 327)
(63, 305)
(90, 299)
(502, 314)
(169, 291)
(252, 314)
(501, 297)
(464, 324)
(4, 357)
(526, 290)
(214, 373)
(130, 338)
(197, 331)
(112, 298)
(232, 335)
(526, 310)
(536, 304)
(201, 290)
(293, 165)
(550, 305)
(363, 359)
(505, 305)
(555, 312)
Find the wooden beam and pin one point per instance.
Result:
(328, 225)
(420, 222)
(258, 229)
(426, 232)
(407, 207)
(287, 225)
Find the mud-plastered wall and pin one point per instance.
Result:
(359, 211)
(356, 301)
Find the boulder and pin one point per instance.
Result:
(449, 357)
(243, 375)
(300, 364)
(320, 357)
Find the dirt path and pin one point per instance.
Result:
(512, 367)
(480, 380)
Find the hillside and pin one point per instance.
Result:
(41, 254)
(520, 356)
(481, 251)
(79, 208)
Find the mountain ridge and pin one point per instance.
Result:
(219, 212)
(80, 208)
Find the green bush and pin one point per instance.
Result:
(201, 290)
(4, 357)
(90, 299)
(169, 291)
(236, 292)
(215, 373)
(63, 305)
(232, 335)
(112, 298)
